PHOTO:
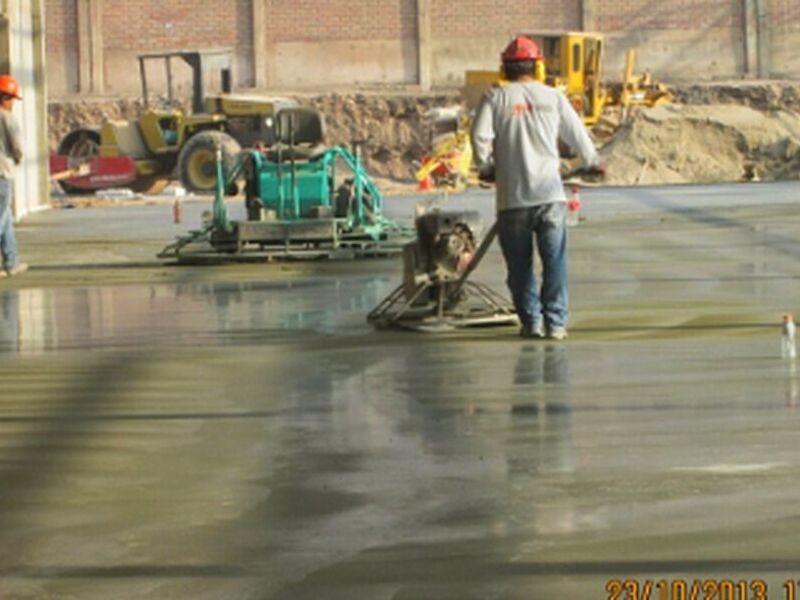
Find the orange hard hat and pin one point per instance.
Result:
(521, 48)
(9, 86)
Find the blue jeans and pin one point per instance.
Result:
(517, 229)
(8, 243)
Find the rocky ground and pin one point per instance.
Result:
(711, 133)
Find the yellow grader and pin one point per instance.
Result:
(572, 64)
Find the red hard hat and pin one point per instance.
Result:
(521, 48)
(9, 86)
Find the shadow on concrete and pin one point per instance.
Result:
(31, 462)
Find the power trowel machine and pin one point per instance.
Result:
(436, 294)
(303, 200)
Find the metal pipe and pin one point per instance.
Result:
(295, 195)
(143, 73)
(359, 189)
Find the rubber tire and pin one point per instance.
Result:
(68, 146)
(193, 160)
(69, 142)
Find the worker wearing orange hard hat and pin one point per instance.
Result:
(515, 138)
(10, 155)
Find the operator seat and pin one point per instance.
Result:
(159, 130)
(299, 135)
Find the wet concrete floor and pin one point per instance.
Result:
(241, 432)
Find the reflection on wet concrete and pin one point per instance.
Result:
(255, 439)
(36, 320)
(9, 321)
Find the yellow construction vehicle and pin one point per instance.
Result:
(450, 158)
(145, 153)
(571, 63)
(638, 90)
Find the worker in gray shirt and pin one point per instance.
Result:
(515, 138)
(10, 155)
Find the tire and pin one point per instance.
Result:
(78, 145)
(197, 166)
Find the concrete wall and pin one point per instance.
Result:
(308, 43)
(339, 42)
(340, 62)
(294, 44)
(700, 39)
(470, 34)
(675, 55)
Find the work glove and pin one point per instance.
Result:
(486, 174)
(595, 172)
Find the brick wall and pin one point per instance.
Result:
(340, 42)
(687, 15)
(61, 43)
(785, 13)
(169, 24)
(62, 26)
(315, 21)
(482, 17)
(785, 37)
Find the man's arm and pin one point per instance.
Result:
(14, 136)
(482, 135)
(573, 132)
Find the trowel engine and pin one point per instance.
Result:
(445, 246)
(435, 294)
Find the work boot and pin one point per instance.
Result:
(557, 333)
(532, 330)
(15, 270)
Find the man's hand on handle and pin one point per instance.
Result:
(594, 173)
(486, 175)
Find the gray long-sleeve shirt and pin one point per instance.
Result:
(518, 127)
(10, 144)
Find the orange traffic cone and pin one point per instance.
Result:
(177, 211)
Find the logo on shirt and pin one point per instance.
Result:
(520, 109)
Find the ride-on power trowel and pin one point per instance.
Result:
(303, 200)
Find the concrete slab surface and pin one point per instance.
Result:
(241, 432)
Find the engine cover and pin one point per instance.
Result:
(446, 242)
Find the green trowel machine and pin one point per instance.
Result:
(302, 199)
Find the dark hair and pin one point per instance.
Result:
(518, 68)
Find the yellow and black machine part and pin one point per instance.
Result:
(572, 63)
(165, 139)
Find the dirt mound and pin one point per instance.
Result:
(390, 128)
(720, 132)
(758, 95)
(63, 117)
(704, 144)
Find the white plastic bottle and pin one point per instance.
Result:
(573, 207)
(788, 346)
